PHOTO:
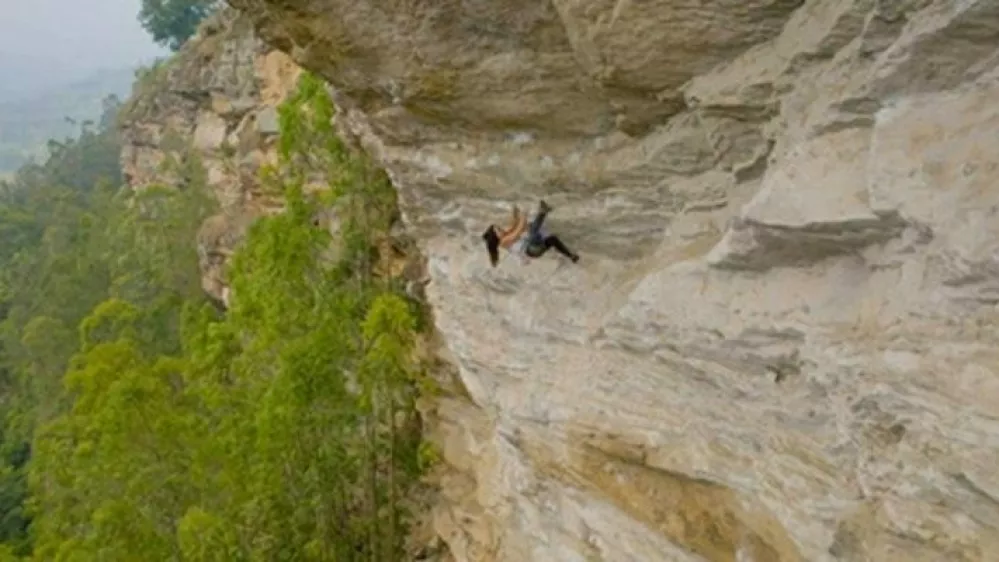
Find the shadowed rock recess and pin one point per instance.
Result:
(781, 342)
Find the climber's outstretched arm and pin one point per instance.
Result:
(518, 223)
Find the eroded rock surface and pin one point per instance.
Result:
(781, 341)
(211, 110)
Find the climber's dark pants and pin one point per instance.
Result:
(539, 242)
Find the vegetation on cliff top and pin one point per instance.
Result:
(172, 22)
(142, 424)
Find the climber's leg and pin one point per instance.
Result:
(551, 241)
(534, 233)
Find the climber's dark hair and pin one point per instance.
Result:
(492, 244)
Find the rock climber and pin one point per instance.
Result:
(531, 240)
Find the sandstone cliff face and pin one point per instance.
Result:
(215, 101)
(781, 341)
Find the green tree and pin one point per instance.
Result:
(13, 492)
(113, 466)
(172, 22)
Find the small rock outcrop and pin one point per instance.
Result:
(211, 107)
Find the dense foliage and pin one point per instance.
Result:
(172, 22)
(142, 424)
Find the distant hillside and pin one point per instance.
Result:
(22, 75)
(26, 124)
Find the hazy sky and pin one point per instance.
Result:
(74, 36)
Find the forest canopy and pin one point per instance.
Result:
(143, 423)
